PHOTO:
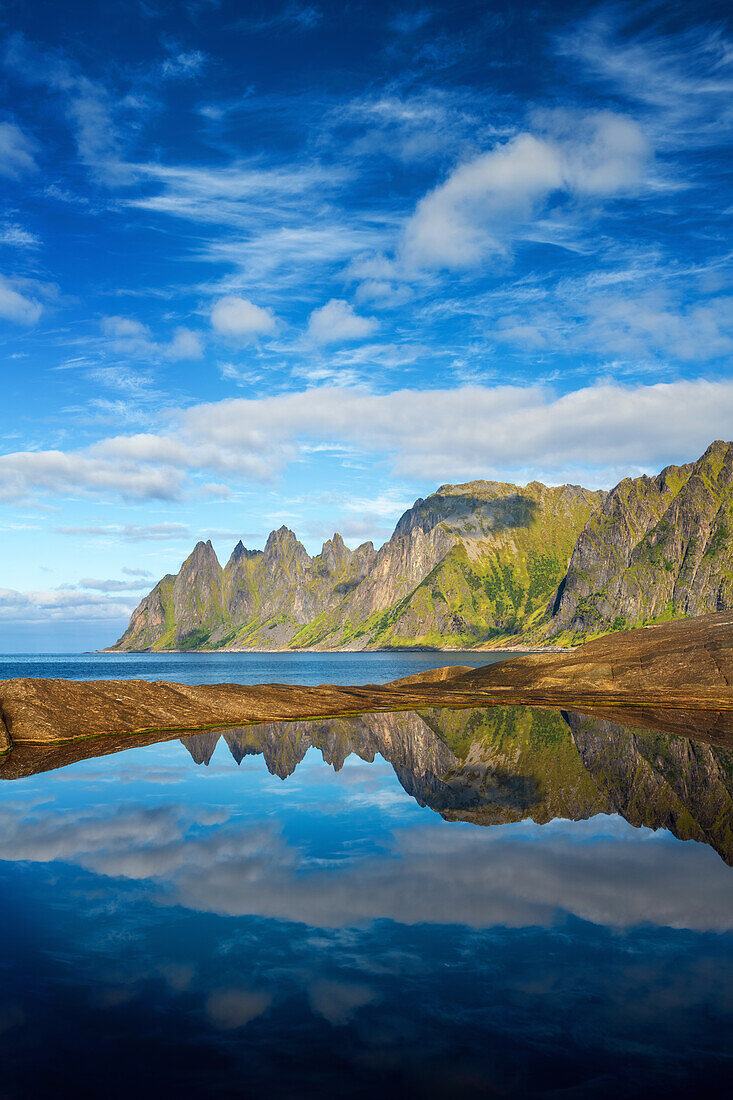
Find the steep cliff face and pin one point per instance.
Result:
(657, 548)
(186, 609)
(471, 563)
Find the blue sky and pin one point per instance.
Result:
(300, 264)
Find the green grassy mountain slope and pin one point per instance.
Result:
(483, 563)
(471, 564)
(657, 548)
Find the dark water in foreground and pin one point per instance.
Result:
(496, 902)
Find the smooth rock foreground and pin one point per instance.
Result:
(682, 668)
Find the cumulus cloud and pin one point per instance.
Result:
(17, 151)
(489, 200)
(130, 337)
(336, 322)
(15, 306)
(600, 432)
(60, 605)
(185, 344)
(240, 319)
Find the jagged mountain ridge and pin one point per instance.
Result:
(476, 564)
(469, 564)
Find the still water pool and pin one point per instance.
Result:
(494, 902)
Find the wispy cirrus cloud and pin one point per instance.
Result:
(683, 78)
(16, 305)
(17, 151)
(338, 322)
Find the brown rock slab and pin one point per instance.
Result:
(685, 665)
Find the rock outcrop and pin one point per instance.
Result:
(687, 664)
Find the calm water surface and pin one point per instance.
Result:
(497, 902)
(242, 668)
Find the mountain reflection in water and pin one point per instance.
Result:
(505, 764)
(207, 929)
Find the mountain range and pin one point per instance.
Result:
(480, 564)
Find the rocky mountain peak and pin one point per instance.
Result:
(240, 553)
(283, 547)
(281, 539)
(334, 554)
(202, 559)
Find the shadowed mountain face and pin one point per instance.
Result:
(487, 766)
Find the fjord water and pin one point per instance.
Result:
(240, 668)
(505, 901)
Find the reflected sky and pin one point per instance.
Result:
(430, 917)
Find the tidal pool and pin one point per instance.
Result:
(505, 901)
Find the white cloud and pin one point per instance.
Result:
(684, 80)
(15, 306)
(22, 473)
(112, 585)
(132, 532)
(486, 202)
(60, 605)
(336, 322)
(88, 106)
(183, 66)
(240, 319)
(129, 337)
(642, 323)
(17, 151)
(185, 344)
(16, 236)
(595, 435)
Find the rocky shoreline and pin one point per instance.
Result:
(681, 667)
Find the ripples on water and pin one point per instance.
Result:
(503, 902)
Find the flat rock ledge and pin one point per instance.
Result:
(685, 665)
